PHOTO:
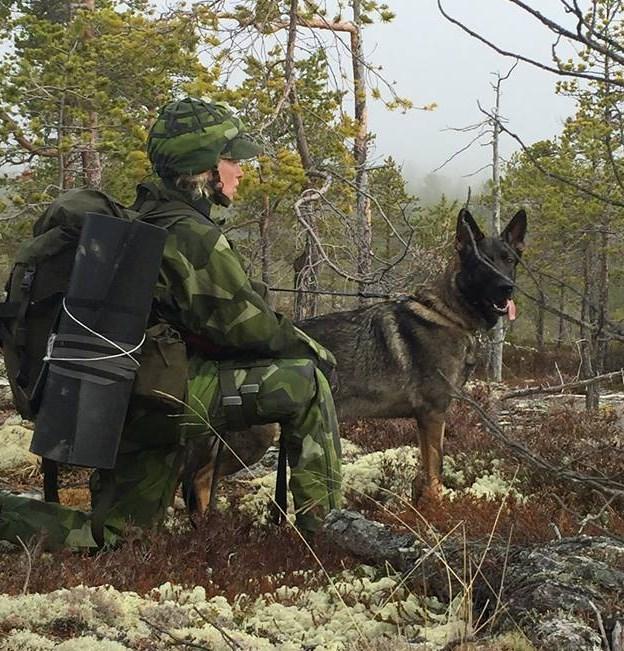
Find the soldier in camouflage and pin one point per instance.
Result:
(237, 345)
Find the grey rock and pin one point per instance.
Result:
(567, 594)
(563, 633)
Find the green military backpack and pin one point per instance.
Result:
(39, 279)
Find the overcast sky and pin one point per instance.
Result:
(434, 61)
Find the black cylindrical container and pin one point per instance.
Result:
(89, 380)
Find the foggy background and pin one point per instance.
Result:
(432, 60)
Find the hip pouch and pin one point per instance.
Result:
(163, 373)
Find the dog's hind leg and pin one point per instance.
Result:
(431, 436)
(201, 476)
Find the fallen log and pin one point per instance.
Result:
(567, 594)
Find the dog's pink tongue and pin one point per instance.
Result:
(511, 310)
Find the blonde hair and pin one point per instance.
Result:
(197, 185)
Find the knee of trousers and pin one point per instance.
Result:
(288, 390)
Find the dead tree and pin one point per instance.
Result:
(497, 336)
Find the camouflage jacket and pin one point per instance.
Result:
(204, 289)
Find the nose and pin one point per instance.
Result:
(239, 171)
(506, 287)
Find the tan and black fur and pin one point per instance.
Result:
(403, 358)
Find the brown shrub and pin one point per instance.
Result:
(376, 434)
(225, 554)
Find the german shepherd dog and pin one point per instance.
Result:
(402, 358)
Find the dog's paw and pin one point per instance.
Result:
(423, 490)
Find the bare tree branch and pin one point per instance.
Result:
(544, 389)
(579, 481)
(534, 62)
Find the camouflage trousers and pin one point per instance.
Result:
(293, 392)
(136, 493)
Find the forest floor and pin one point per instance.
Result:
(234, 581)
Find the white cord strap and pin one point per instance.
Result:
(124, 353)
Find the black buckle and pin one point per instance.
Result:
(27, 280)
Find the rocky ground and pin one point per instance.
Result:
(513, 557)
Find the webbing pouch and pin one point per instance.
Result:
(239, 403)
(163, 372)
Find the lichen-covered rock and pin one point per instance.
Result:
(562, 632)
(14, 453)
(562, 588)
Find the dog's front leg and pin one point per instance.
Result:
(431, 437)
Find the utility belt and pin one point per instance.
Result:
(200, 344)
(163, 373)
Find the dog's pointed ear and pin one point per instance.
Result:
(515, 231)
(467, 231)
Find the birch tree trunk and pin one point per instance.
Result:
(540, 320)
(586, 344)
(602, 295)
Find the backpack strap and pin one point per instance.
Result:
(15, 311)
(239, 403)
(167, 214)
(231, 401)
(8, 312)
(49, 467)
(281, 485)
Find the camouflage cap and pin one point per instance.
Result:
(191, 135)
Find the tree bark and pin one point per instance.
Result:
(360, 152)
(561, 329)
(602, 296)
(540, 321)
(307, 265)
(586, 344)
(91, 162)
(265, 241)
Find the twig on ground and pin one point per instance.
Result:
(578, 480)
(175, 641)
(605, 639)
(228, 639)
(577, 515)
(28, 565)
(545, 389)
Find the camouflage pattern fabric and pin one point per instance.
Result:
(136, 493)
(296, 394)
(191, 135)
(204, 289)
